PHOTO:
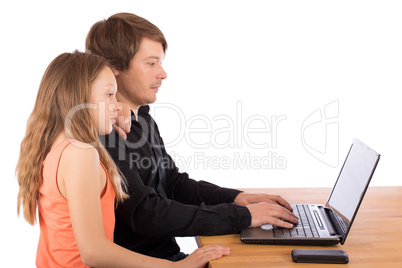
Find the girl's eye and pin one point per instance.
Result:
(109, 95)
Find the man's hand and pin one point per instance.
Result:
(244, 199)
(263, 213)
(265, 209)
(123, 123)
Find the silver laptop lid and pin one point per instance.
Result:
(352, 183)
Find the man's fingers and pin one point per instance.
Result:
(280, 223)
(284, 203)
(124, 119)
(284, 214)
(281, 201)
(120, 132)
(128, 125)
(273, 213)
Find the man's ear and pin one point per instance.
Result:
(115, 72)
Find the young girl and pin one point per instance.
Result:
(64, 170)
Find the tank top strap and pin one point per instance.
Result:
(59, 149)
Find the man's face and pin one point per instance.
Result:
(141, 81)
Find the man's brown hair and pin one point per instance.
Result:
(118, 38)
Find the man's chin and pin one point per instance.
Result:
(151, 100)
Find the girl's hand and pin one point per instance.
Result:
(201, 256)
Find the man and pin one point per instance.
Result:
(164, 203)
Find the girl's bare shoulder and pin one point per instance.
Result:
(78, 153)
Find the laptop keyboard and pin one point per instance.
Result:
(304, 228)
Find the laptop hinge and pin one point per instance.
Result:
(335, 223)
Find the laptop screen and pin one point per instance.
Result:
(353, 181)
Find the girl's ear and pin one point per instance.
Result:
(115, 72)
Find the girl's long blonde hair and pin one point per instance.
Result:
(65, 85)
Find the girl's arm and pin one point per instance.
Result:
(80, 182)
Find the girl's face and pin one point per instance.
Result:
(103, 96)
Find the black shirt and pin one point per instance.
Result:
(163, 202)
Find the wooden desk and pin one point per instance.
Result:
(375, 239)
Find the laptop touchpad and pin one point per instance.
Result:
(267, 227)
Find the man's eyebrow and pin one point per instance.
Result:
(152, 57)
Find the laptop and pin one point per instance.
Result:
(329, 224)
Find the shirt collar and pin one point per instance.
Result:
(142, 111)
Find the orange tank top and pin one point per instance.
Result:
(57, 246)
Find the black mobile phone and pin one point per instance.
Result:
(320, 256)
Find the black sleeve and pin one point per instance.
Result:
(148, 214)
(181, 188)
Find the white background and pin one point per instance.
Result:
(257, 59)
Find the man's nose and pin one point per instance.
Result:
(162, 74)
